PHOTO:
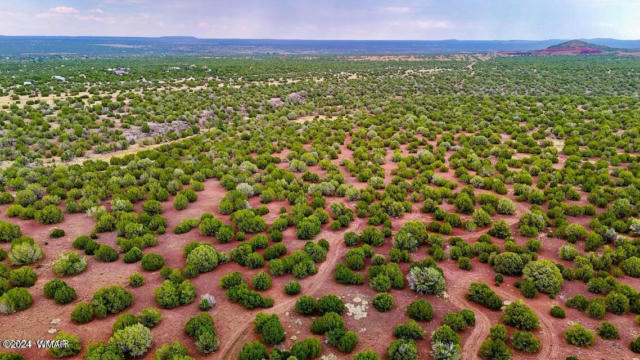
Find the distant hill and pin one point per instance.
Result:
(578, 44)
(571, 47)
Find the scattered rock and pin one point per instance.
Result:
(55, 321)
(329, 357)
(293, 338)
(276, 102)
(358, 311)
(298, 322)
(52, 331)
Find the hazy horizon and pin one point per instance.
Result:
(329, 20)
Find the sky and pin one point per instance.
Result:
(326, 19)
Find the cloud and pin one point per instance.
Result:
(434, 24)
(396, 9)
(96, 11)
(63, 10)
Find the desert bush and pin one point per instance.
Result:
(382, 301)
(9, 231)
(306, 305)
(426, 281)
(557, 312)
(56, 233)
(525, 341)
(330, 303)
(292, 287)
(508, 263)
(82, 313)
(152, 262)
(578, 336)
(345, 341)
(111, 299)
(617, 303)
(327, 322)
(24, 251)
(402, 349)
(482, 294)
(307, 349)
(16, 299)
(150, 317)
(134, 340)
(24, 276)
(73, 345)
(253, 351)
(518, 315)
(173, 351)
(608, 331)
(420, 310)
(170, 295)
(269, 328)
(69, 263)
(50, 214)
(136, 280)
(106, 253)
(261, 281)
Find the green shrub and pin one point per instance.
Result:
(73, 345)
(518, 315)
(56, 233)
(327, 322)
(69, 263)
(420, 310)
(9, 231)
(366, 355)
(578, 336)
(261, 281)
(307, 349)
(525, 341)
(402, 349)
(382, 302)
(16, 299)
(608, 331)
(558, 312)
(410, 330)
(50, 214)
(253, 351)
(82, 313)
(635, 345)
(306, 305)
(269, 328)
(345, 341)
(545, 275)
(152, 262)
(508, 263)
(136, 280)
(106, 253)
(455, 321)
(170, 295)
(112, 299)
(150, 317)
(23, 276)
(330, 303)
(482, 294)
(133, 341)
(292, 287)
(24, 251)
(427, 281)
(64, 295)
(123, 321)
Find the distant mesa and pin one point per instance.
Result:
(572, 47)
